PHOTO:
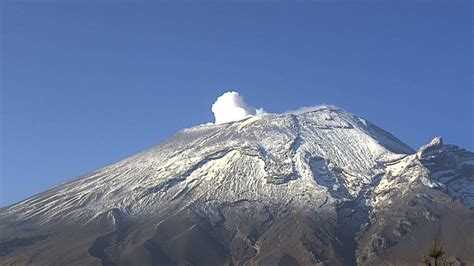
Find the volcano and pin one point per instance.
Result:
(324, 187)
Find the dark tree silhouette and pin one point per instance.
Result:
(434, 256)
(436, 251)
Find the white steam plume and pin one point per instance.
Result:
(230, 107)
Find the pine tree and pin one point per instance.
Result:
(435, 252)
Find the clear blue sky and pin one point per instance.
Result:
(84, 85)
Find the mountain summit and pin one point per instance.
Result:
(322, 187)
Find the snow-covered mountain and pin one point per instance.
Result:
(324, 186)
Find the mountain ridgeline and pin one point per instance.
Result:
(323, 187)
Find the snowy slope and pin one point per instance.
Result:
(246, 159)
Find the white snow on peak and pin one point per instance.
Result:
(306, 160)
(435, 143)
(307, 109)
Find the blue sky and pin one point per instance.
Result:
(85, 85)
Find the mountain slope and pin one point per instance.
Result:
(287, 189)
